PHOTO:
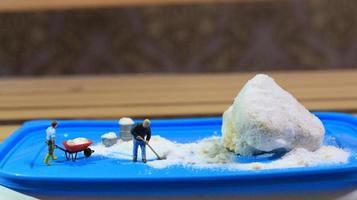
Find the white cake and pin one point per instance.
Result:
(264, 117)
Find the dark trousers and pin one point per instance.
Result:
(51, 147)
(136, 144)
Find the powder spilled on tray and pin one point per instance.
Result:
(210, 153)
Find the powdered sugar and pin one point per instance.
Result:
(210, 153)
(264, 117)
(110, 135)
(125, 121)
(77, 141)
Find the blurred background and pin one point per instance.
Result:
(40, 38)
(190, 37)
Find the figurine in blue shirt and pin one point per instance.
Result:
(141, 132)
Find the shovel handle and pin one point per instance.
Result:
(140, 138)
(146, 142)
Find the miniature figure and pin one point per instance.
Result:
(139, 133)
(50, 141)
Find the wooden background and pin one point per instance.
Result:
(158, 95)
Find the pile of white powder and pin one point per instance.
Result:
(264, 117)
(77, 141)
(210, 153)
(110, 135)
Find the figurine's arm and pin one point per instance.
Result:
(148, 136)
(53, 138)
(133, 132)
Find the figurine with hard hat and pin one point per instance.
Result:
(141, 134)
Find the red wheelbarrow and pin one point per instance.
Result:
(72, 150)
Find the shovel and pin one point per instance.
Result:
(157, 155)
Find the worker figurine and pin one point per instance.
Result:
(50, 140)
(141, 132)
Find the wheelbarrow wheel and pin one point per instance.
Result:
(88, 152)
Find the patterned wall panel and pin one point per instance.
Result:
(176, 39)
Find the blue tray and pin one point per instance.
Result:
(22, 168)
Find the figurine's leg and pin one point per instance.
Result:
(49, 154)
(143, 152)
(54, 157)
(47, 158)
(53, 152)
(135, 150)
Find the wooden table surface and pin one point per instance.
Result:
(157, 95)
(31, 5)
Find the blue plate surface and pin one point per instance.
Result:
(22, 168)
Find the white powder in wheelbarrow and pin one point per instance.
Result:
(77, 141)
(210, 153)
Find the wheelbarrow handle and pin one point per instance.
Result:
(60, 148)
